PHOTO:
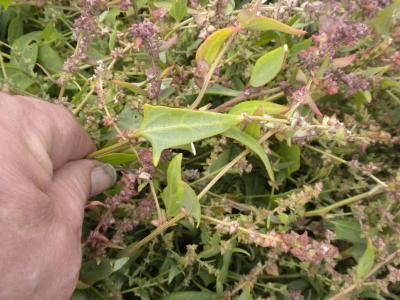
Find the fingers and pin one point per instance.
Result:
(48, 127)
(74, 182)
(68, 140)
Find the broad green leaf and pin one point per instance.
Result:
(190, 201)
(50, 59)
(178, 194)
(205, 295)
(118, 158)
(168, 127)
(384, 20)
(117, 264)
(25, 50)
(250, 21)
(129, 119)
(174, 170)
(178, 9)
(50, 33)
(220, 90)
(366, 261)
(249, 141)
(250, 107)
(18, 77)
(268, 66)
(130, 86)
(5, 3)
(94, 270)
(15, 29)
(290, 154)
(210, 48)
(347, 230)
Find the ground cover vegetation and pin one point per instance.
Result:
(257, 143)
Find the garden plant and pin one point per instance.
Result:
(257, 143)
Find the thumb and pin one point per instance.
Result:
(75, 181)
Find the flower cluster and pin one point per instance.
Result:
(85, 30)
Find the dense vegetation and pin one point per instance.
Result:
(257, 144)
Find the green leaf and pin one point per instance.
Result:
(118, 158)
(178, 194)
(220, 90)
(347, 230)
(250, 21)
(250, 107)
(290, 154)
(363, 97)
(178, 9)
(366, 261)
(210, 48)
(94, 270)
(160, 124)
(50, 59)
(205, 295)
(268, 66)
(190, 201)
(5, 3)
(384, 20)
(50, 33)
(129, 119)
(18, 77)
(249, 141)
(15, 29)
(25, 51)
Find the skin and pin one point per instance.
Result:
(44, 185)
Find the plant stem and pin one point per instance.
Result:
(83, 102)
(352, 287)
(153, 192)
(323, 211)
(243, 97)
(397, 99)
(341, 160)
(180, 216)
(240, 228)
(153, 234)
(110, 149)
(211, 72)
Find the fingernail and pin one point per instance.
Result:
(102, 177)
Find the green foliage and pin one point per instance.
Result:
(209, 50)
(268, 66)
(178, 194)
(178, 9)
(250, 142)
(185, 126)
(366, 261)
(311, 210)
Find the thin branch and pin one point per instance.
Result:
(354, 286)
(211, 72)
(243, 97)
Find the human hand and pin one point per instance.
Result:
(44, 184)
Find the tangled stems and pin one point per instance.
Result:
(378, 189)
(211, 72)
(172, 222)
(354, 286)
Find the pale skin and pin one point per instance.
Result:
(45, 182)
